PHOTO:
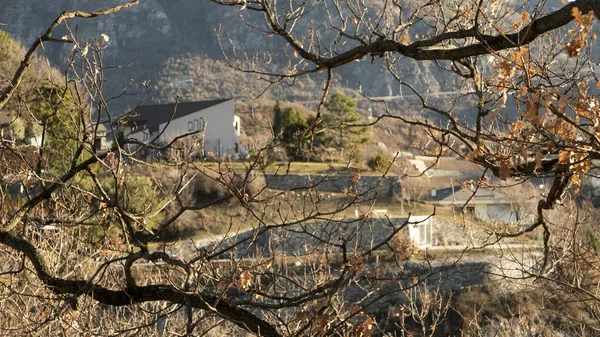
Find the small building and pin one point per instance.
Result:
(439, 167)
(7, 119)
(99, 134)
(212, 122)
(420, 230)
(484, 203)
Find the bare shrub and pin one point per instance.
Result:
(402, 246)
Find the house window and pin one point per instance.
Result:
(196, 125)
(202, 124)
(98, 146)
(190, 126)
(237, 148)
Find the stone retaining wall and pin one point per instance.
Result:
(387, 186)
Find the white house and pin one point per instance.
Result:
(213, 120)
(101, 136)
(420, 230)
(486, 204)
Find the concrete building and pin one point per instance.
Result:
(212, 124)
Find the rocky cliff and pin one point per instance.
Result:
(144, 37)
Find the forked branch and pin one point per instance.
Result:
(9, 91)
(138, 294)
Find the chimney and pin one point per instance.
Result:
(433, 192)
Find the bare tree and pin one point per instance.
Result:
(523, 80)
(80, 225)
(523, 74)
(79, 240)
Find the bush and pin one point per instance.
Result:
(204, 190)
(186, 225)
(380, 162)
(402, 246)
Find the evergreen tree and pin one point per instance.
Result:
(11, 53)
(59, 124)
(29, 90)
(290, 126)
(277, 116)
(339, 123)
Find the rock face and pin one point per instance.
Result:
(143, 37)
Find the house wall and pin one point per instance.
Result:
(420, 230)
(219, 134)
(139, 135)
(496, 212)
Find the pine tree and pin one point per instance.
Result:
(339, 124)
(290, 127)
(277, 115)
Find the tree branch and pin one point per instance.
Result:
(138, 294)
(9, 91)
(426, 49)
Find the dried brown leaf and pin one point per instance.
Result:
(564, 157)
(538, 160)
(246, 280)
(574, 47)
(582, 19)
(364, 329)
(404, 37)
(355, 176)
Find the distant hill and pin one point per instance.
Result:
(172, 44)
(145, 38)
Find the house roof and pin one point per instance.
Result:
(446, 166)
(458, 195)
(99, 128)
(153, 115)
(456, 164)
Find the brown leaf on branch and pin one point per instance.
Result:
(533, 106)
(523, 91)
(404, 37)
(364, 329)
(574, 47)
(538, 160)
(355, 176)
(582, 19)
(246, 280)
(517, 127)
(564, 157)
